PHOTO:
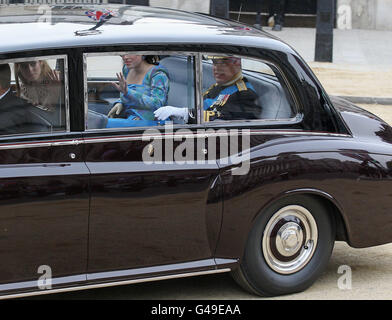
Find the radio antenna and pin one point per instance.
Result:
(239, 13)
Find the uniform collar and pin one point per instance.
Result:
(237, 76)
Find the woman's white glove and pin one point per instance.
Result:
(116, 110)
(165, 112)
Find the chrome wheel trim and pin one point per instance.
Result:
(289, 239)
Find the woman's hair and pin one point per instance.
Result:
(151, 59)
(45, 70)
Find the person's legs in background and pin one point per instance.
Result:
(278, 8)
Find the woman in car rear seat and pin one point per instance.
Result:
(42, 86)
(144, 86)
(38, 83)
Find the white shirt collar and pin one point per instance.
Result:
(2, 96)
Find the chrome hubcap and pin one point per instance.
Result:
(290, 239)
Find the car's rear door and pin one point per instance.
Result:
(148, 217)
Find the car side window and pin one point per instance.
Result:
(33, 96)
(237, 88)
(123, 90)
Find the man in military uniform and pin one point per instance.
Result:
(232, 97)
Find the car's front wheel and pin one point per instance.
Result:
(288, 247)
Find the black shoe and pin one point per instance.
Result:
(277, 27)
(258, 26)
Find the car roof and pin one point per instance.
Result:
(29, 27)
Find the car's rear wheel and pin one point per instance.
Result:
(288, 247)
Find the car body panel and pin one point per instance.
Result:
(44, 208)
(136, 206)
(354, 180)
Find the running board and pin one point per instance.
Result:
(224, 262)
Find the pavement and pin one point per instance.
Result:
(351, 274)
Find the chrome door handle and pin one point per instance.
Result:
(75, 142)
(66, 143)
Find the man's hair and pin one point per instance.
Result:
(5, 76)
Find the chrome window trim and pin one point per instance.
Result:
(199, 87)
(198, 73)
(66, 86)
(139, 137)
(149, 52)
(85, 91)
(206, 135)
(158, 52)
(243, 123)
(286, 82)
(42, 144)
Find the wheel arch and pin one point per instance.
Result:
(232, 240)
(336, 213)
(333, 207)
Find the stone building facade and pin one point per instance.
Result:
(350, 14)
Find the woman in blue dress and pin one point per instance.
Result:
(144, 86)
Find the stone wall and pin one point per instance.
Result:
(187, 5)
(364, 14)
(384, 15)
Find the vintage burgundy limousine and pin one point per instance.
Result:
(88, 200)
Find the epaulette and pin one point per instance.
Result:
(209, 89)
(241, 85)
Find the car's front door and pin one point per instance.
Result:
(43, 210)
(44, 199)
